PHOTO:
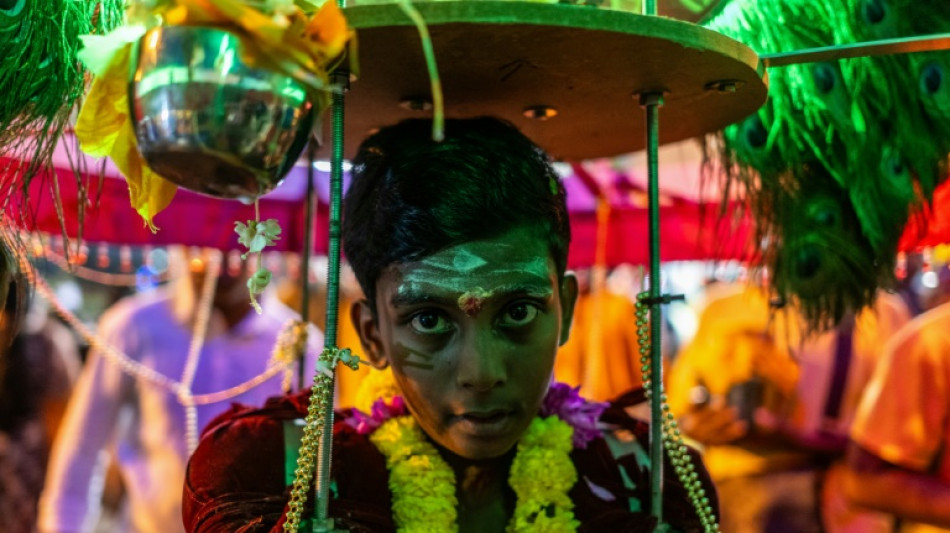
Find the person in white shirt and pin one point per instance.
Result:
(142, 419)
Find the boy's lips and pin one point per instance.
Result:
(486, 422)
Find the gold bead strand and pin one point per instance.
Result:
(313, 430)
(672, 436)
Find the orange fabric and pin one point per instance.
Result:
(732, 336)
(904, 415)
(347, 380)
(602, 354)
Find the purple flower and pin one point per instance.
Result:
(364, 424)
(564, 402)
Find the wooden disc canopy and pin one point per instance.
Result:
(568, 76)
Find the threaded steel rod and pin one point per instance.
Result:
(652, 102)
(333, 291)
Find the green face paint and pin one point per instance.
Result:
(463, 270)
(469, 329)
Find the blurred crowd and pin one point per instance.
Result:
(839, 431)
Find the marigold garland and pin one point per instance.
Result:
(542, 474)
(377, 385)
(423, 484)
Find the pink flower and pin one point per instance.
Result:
(364, 424)
(564, 402)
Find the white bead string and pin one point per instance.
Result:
(220, 396)
(198, 335)
(126, 363)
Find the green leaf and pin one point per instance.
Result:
(255, 236)
(258, 242)
(256, 285)
(270, 229)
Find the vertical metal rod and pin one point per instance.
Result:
(340, 79)
(652, 103)
(305, 257)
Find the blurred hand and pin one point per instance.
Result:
(767, 422)
(714, 423)
(776, 367)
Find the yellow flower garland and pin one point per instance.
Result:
(423, 484)
(378, 384)
(541, 476)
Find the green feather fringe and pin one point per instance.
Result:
(822, 261)
(41, 80)
(873, 132)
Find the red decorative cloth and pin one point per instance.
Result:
(235, 480)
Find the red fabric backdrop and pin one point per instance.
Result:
(688, 230)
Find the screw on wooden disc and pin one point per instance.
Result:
(585, 67)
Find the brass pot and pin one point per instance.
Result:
(208, 121)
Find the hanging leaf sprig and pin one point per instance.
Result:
(255, 236)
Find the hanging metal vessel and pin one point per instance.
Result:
(208, 121)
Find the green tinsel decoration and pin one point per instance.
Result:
(870, 134)
(41, 81)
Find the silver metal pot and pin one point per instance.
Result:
(207, 121)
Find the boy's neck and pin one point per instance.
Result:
(485, 501)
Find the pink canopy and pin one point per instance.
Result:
(690, 227)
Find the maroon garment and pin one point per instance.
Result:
(235, 480)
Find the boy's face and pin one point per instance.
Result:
(471, 333)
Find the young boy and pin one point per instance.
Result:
(460, 248)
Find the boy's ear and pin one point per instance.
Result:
(568, 299)
(365, 323)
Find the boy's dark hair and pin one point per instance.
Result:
(412, 196)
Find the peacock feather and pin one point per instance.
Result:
(860, 142)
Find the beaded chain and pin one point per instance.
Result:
(200, 332)
(320, 401)
(672, 436)
(134, 368)
(292, 341)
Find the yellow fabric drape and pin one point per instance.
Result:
(602, 354)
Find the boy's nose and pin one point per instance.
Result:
(481, 367)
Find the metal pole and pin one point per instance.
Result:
(307, 251)
(649, 7)
(651, 102)
(340, 79)
(902, 45)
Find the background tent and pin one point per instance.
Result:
(691, 228)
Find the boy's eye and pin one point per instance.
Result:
(519, 314)
(430, 322)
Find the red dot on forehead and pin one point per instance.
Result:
(471, 302)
